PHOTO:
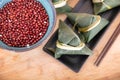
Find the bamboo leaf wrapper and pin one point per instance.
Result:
(88, 25)
(104, 5)
(68, 38)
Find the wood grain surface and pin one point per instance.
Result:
(37, 65)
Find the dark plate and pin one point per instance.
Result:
(75, 62)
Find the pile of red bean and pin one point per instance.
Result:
(23, 23)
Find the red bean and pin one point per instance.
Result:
(23, 23)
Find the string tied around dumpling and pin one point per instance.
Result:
(68, 47)
(97, 1)
(102, 1)
(107, 6)
(60, 3)
(92, 26)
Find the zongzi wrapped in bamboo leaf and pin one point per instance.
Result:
(61, 6)
(88, 25)
(59, 3)
(69, 43)
(104, 5)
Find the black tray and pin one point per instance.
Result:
(75, 62)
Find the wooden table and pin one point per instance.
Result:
(37, 65)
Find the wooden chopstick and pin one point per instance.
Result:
(107, 46)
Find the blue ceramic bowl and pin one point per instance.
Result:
(52, 18)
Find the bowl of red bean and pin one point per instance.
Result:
(25, 24)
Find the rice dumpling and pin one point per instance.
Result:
(61, 6)
(69, 43)
(59, 3)
(104, 5)
(88, 25)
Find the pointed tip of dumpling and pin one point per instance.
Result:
(98, 9)
(61, 24)
(71, 14)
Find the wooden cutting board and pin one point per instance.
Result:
(37, 65)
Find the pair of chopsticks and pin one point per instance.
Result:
(107, 46)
